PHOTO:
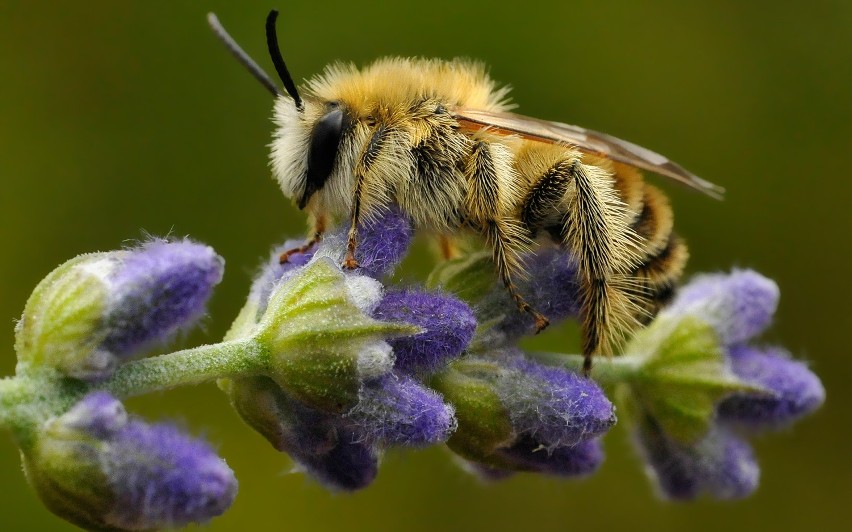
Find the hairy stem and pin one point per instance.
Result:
(188, 367)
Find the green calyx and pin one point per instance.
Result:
(484, 424)
(61, 325)
(321, 343)
(680, 376)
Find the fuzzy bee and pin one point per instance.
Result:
(436, 138)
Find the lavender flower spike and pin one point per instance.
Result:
(396, 410)
(738, 306)
(793, 391)
(448, 326)
(98, 468)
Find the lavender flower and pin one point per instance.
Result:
(396, 410)
(448, 326)
(752, 388)
(98, 468)
(509, 406)
(383, 241)
(720, 464)
(341, 451)
(99, 309)
(578, 460)
(792, 391)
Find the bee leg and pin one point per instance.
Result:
(318, 232)
(506, 239)
(349, 261)
(449, 249)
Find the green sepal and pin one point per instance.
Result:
(681, 376)
(484, 425)
(315, 334)
(62, 322)
(469, 277)
(65, 472)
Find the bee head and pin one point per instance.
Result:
(309, 133)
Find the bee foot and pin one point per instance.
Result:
(349, 263)
(541, 323)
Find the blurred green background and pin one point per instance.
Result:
(118, 118)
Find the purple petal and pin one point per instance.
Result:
(162, 477)
(448, 326)
(720, 465)
(397, 410)
(554, 406)
(739, 305)
(794, 391)
(349, 466)
(552, 288)
(159, 288)
(98, 414)
(382, 242)
(581, 459)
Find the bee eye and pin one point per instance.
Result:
(325, 140)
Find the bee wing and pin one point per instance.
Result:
(585, 140)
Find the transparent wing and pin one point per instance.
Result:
(585, 140)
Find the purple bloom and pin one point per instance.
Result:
(348, 466)
(448, 326)
(552, 288)
(158, 289)
(720, 464)
(793, 391)
(382, 242)
(553, 406)
(738, 306)
(397, 410)
(577, 460)
(273, 271)
(100, 469)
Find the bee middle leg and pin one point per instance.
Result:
(507, 240)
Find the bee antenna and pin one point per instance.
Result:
(278, 61)
(241, 55)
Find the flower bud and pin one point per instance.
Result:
(505, 400)
(394, 409)
(322, 444)
(789, 389)
(719, 464)
(321, 339)
(99, 309)
(98, 468)
(738, 306)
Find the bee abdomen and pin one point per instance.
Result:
(658, 275)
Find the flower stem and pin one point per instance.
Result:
(188, 367)
(606, 371)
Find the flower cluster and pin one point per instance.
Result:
(769, 389)
(334, 367)
(89, 461)
(351, 384)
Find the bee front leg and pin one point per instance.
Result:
(318, 225)
(349, 261)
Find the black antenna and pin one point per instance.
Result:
(278, 61)
(241, 56)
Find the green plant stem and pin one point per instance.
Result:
(188, 367)
(606, 371)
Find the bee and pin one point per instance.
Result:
(437, 139)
